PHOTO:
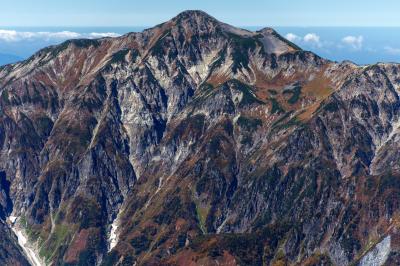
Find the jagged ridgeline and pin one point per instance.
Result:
(198, 143)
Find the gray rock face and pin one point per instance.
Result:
(211, 144)
(378, 255)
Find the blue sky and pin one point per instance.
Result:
(240, 13)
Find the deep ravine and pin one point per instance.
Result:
(30, 252)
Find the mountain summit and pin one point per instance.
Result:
(197, 143)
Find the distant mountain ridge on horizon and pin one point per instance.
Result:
(195, 142)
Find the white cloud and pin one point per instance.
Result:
(59, 35)
(392, 51)
(104, 34)
(8, 35)
(292, 37)
(311, 38)
(354, 42)
(15, 36)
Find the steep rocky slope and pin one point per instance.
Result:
(10, 252)
(198, 143)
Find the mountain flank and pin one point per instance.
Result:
(198, 143)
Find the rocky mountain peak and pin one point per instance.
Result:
(199, 23)
(191, 21)
(194, 15)
(195, 22)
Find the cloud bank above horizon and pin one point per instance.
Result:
(313, 39)
(360, 45)
(16, 36)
